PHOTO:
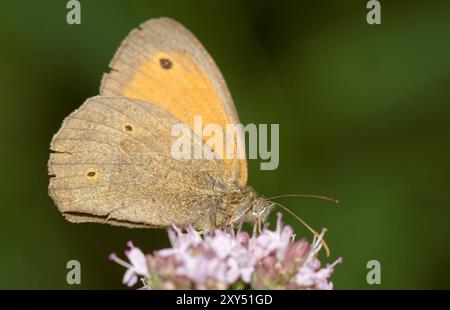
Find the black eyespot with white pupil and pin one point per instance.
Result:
(165, 63)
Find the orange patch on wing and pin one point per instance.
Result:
(183, 89)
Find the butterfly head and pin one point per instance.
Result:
(254, 208)
(259, 211)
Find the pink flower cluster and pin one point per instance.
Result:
(230, 260)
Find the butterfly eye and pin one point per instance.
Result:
(166, 63)
(91, 174)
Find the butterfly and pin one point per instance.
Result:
(111, 159)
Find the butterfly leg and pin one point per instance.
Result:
(259, 223)
(213, 216)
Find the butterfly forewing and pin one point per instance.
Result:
(162, 63)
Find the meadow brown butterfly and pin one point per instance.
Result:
(111, 160)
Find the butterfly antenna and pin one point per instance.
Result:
(315, 233)
(336, 201)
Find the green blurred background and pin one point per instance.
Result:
(364, 114)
